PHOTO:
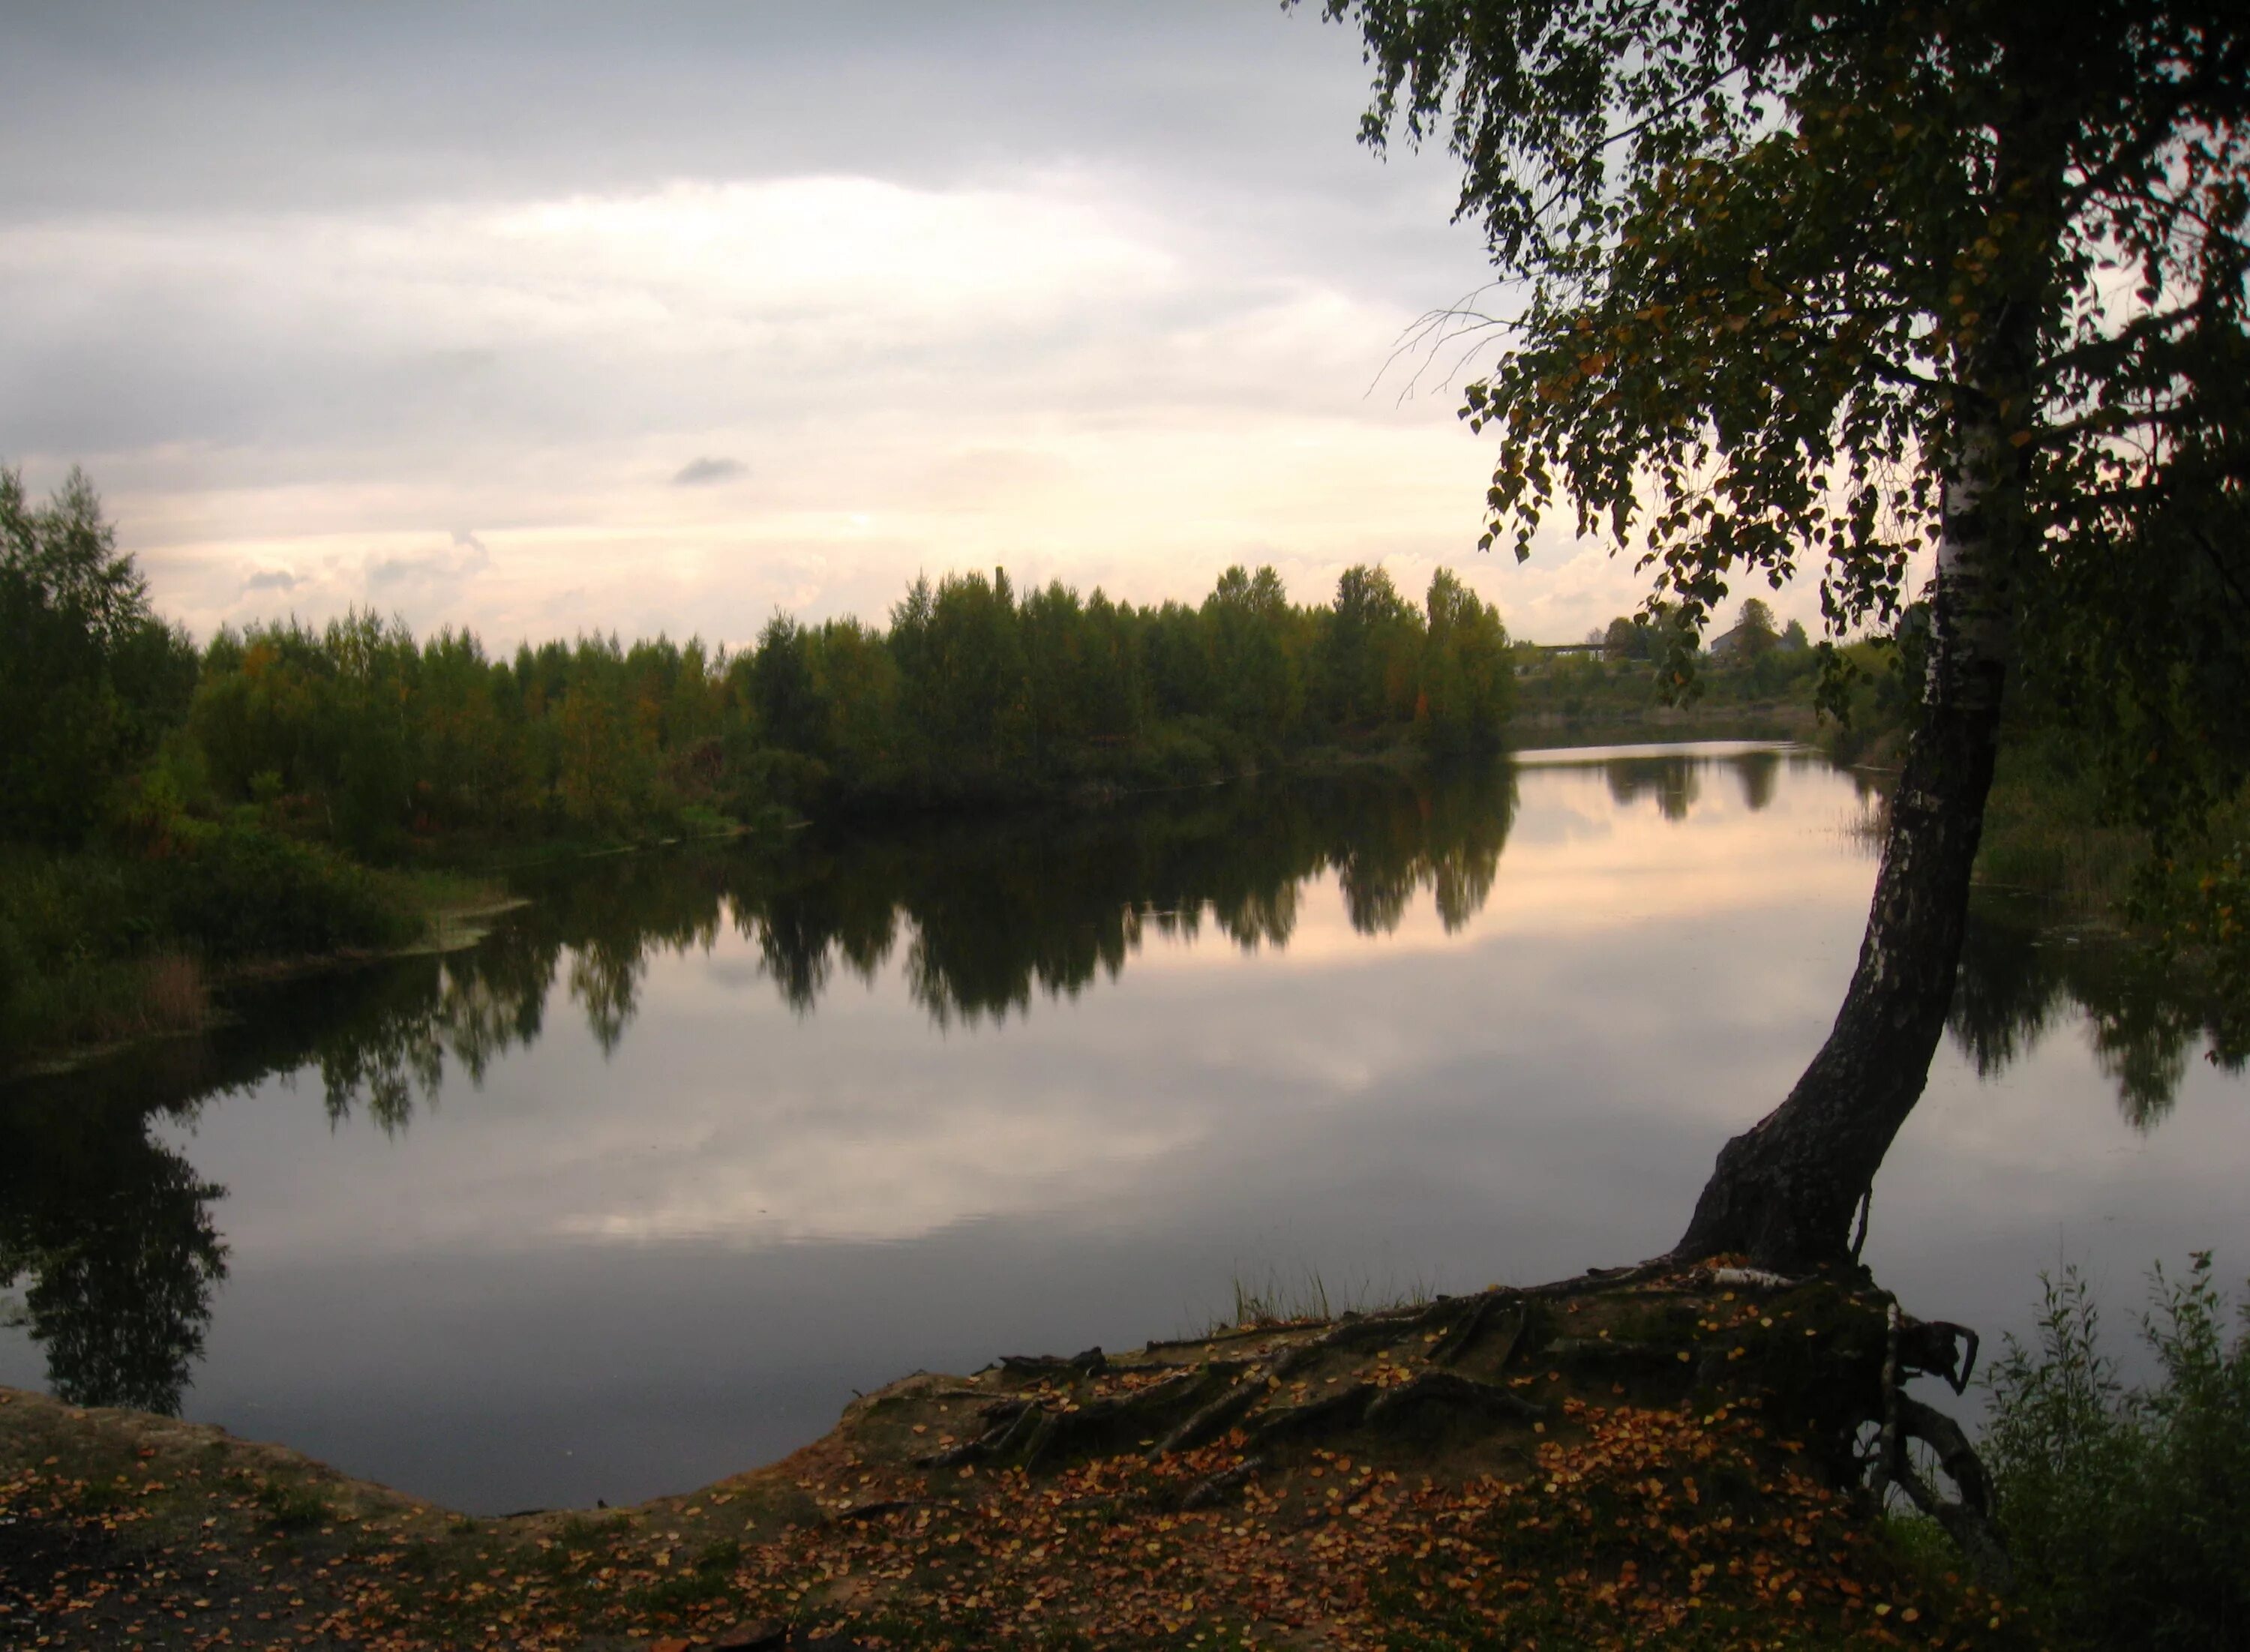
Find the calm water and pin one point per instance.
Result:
(637, 1192)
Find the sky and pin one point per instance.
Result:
(544, 319)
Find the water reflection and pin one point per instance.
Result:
(2020, 983)
(113, 1230)
(1673, 782)
(991, 916)
(1673, 779)
(111, 1233)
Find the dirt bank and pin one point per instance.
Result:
(1629, 1460)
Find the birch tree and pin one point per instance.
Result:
(1809, 286)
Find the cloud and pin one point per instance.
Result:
(1115, 327)
(270, 579)
(467, 558)
(707, 471)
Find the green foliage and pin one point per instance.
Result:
(2127, 1507)
(2209, 911)
(357, 736)
(169, 814)
(360, 736)
(1466, 681)
(292, 1508)
(1781, 275)
(235, 892)
(89, 677)
(97, 944)
(1751, 667)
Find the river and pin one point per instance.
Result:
(640, 1190)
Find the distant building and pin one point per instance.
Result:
(1734, 644)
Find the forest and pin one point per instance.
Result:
(284, 790)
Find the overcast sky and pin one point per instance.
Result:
(544, 317)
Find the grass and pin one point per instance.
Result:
(2126, 1506)
(99, 947)
(1276, 1300)
(292, 1508)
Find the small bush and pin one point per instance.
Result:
(242, 892)
(2127, 1509)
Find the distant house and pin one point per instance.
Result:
(1532, 659)
(1734, 644)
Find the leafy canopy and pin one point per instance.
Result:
(1766, 266)
(89, 677)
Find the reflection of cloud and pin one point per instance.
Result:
(708, 470)
(845, 1178)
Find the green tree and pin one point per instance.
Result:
(1826, 282)
(1466, 680)
(1755, 627)
(1368, 646)
(1623, 640)
(90, 677)
(1255, 652)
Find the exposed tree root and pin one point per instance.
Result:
(1822, 1357)
(1214, 1418)
(1215, 1488)
(1456, 1344)
(1330, 1413)
(1967, 1520)
(1450, 1391)
(1433, 1468)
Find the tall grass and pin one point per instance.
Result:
(2127, 1507)
(1279, 1300)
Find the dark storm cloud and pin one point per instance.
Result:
(707, 471)
(271, 579)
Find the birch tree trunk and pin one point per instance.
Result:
(1784, 1192)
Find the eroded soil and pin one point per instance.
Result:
(1629, 1460)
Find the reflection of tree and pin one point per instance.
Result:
(390, 1039)
(997, 914)
(114, 1233)
(2017, 984)
(1672, 780)
(1758, 772)
(993, 915)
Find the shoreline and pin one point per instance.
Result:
(187, 1011)
(1644, 1454)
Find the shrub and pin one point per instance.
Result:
(242, 892)
(2127, 1508)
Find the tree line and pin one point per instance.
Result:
(359, 733)
(168, 808)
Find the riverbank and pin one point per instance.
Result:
(100, 951)
(1630, 1460)
(1779, 720)
(103, 948)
